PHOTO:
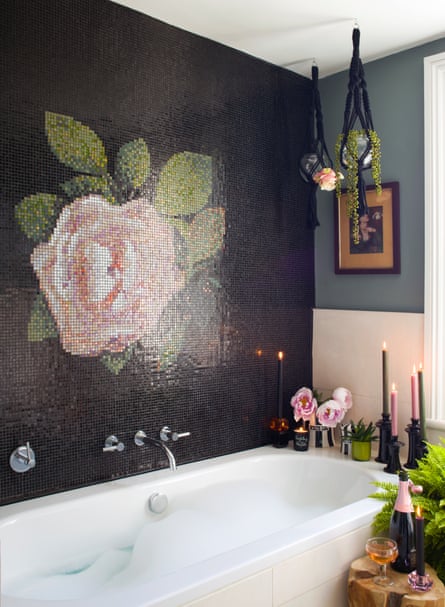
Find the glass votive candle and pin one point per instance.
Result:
(301, 439)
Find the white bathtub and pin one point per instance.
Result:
(253, 528)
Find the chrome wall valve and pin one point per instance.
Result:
(166, 434)
(112, 443)
(22, 459)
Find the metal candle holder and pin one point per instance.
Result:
(394, 465)
(319, 429)
(384, 426)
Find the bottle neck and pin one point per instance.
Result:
(403, 501)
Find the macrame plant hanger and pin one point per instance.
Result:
(358, 149)
(318, 156)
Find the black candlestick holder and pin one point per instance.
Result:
(384, 426)
(415, 444)
(394, 466)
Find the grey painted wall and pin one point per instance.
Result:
(395, 86)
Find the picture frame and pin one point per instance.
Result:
(378, 251)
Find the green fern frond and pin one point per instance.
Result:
(380, 524)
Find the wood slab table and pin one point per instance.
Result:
(363, 592)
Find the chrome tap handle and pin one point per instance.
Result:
(112, 443)
(22, 459)
(27, 458)
(166, 433)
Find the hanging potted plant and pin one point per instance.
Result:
(316, 164)
(358, 147)
(361, 436)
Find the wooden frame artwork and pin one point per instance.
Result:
(378, 250)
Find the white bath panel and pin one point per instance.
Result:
(255, 591)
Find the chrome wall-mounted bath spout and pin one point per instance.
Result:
(140, 438)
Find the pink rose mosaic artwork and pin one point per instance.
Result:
(107, 273)
(113, 252)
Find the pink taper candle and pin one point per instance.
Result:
(414, 394)
(394, 410)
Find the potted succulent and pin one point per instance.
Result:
(361, 436)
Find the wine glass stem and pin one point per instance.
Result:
(382, 571)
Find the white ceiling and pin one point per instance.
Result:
(294, 33)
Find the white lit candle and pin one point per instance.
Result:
(394, 410)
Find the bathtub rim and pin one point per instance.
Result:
(204, 577)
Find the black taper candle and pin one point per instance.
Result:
(420, 543)
(280, 384)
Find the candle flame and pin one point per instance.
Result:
(393, 387)
(384, 345)
(418, 512)
(280, 355)
(414, 369)
(259, 352)
(420, 367)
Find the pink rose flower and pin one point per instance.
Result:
(327, 179)
(108, 273)
(343, 396)
(304, 404)
(330, 413)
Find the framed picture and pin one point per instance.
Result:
(378, 249)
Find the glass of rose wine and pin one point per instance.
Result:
(382, 551)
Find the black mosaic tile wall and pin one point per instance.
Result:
(153, 240)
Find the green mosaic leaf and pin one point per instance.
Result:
(37, 215)
(75, 144)
(185, 184)
(133, 164)
(206, 234)
(182, 226)
(116, 362)
(82, 185)
(41, 324)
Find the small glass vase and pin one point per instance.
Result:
(361, 450)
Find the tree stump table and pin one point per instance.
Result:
(363, 592)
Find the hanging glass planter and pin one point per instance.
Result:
(358, 147)
(315, 164)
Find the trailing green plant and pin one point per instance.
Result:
(361, 432)
(351, 161)
(431, 475)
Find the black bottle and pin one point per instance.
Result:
(401, 528)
